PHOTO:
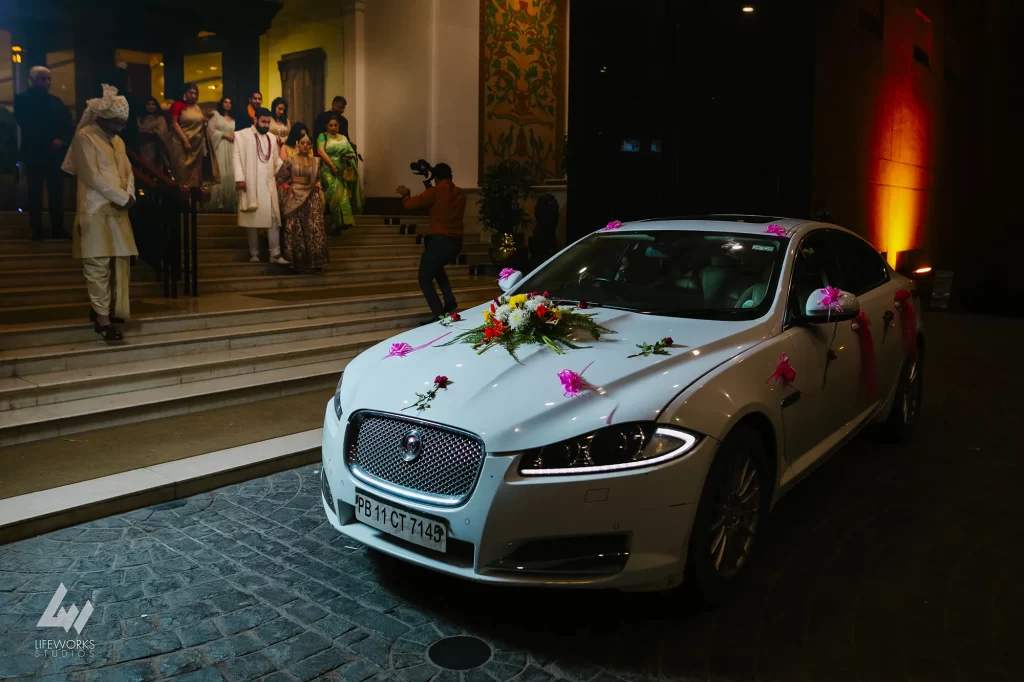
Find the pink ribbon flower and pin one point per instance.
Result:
(784, 371)
(573, 383)
(776, 229)
(506, 273)
(613, 225)
(831, 297)
(400, 350)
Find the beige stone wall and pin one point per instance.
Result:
(303, 25)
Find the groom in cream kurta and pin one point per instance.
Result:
(103, 236)
(256, 162)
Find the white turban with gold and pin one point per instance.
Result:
(110, 105)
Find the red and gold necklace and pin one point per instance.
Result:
(259, 150)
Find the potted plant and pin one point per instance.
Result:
(506, 186)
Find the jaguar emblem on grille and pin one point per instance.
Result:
(411, 445)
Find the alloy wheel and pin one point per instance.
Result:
(912, 394)
(736, 515)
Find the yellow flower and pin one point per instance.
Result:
(556, 315)
(487, 316)
(517, 300)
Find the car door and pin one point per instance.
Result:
(817, 416)
(865, 274)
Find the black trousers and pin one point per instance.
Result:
(51, 174)
(439, 252)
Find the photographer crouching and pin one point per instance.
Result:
(447, 205)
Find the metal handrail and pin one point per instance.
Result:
(173, 211)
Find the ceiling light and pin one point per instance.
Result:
(923, 271)
(15, 48)
(748, 9)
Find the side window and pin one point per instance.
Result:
(810, 272)
(862, 267)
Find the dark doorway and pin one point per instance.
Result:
(689, 107)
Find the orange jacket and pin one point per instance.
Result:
(447, 207)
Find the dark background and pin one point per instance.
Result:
(779, 112)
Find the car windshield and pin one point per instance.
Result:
(680, 273)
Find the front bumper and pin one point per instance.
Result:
(627, 530)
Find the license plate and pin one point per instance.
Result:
(401, 523)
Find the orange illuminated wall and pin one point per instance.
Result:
(878, 86)
(899, 175)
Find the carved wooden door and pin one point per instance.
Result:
(302, 84)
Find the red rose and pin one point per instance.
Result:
(667, 340)
(582, 305)
(456, 317)
(547, 294)
(441, 381)
(542, 311)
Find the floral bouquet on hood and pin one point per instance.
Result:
(514, 321)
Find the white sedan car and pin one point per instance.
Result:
(743, 351)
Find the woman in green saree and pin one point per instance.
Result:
(339, 175)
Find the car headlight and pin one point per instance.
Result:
(337, 399)
(625, 446)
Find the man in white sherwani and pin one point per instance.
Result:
(102, 234)
(256, 162)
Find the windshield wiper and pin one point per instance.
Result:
(592, 304)
(709, 314)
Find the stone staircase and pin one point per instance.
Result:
(257, 331)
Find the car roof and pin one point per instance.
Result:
(731, 223)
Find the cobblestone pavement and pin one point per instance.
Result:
(887, 564)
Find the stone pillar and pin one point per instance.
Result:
(354, 40)
(241, 64)
(95, 50)
(174, 72)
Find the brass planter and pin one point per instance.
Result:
(505, 252)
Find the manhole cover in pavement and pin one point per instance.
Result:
(173, 504)
(459, 653)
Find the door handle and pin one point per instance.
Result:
(791, 399)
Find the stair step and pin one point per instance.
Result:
(25, 341)
(76, 416)
(49, 261)
(124, 375)
(235, 239)
(251, 333)
(283, 278)
(19, 276)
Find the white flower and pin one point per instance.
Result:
(536, 302)
(517, 318)
(502, 312)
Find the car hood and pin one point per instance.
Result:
(513, 406)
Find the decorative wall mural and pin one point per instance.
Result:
(522, 84)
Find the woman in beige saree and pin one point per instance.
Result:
(303, 239)
(191, 157)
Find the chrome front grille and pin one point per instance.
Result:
(443, 471)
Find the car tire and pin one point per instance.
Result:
(906, 403)
(730, 510)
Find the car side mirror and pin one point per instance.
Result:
(825, 306)
(508, 279)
